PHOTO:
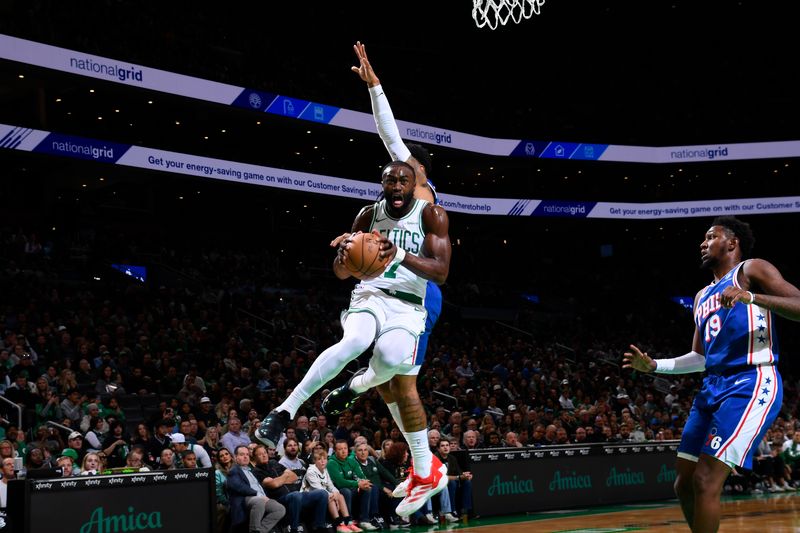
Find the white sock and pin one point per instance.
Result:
(420, 451)
(395, 410)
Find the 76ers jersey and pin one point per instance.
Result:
(405, 233)
(742, 335)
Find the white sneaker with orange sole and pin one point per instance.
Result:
(420, 490)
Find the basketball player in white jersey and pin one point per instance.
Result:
(388, 310)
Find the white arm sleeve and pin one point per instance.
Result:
(387, 127)
(685, 364)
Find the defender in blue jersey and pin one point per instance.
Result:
(736, 343)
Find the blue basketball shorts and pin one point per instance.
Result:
(433, 305)
(731, 414)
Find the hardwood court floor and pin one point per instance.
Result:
(771, 513)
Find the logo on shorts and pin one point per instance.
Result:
(740, 381)
(713, 440)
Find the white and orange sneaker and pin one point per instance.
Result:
(420, 490)
(401, 489)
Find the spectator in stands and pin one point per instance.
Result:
(22, 391)
(85, 375)
(471, 440)
(346, 474)
(459, 485)
(112, 410)
(379, 495)
(206, 417)
(791, 456)
(222, 466)
(109, 382)
(167, 460)
(116, 445)
(317, 477)
(71, 406)
(511, 440)
(180, 446)
(283, 485)
(36, 458)
(91, 464)
(185, 429)
(581, 437)
(248, 499)
(48, 408)
(135, 459)
(211, 440)
(159, 441)
(396, 461)
(75, 442)
(67, 382)
(68, 462)
(235, 436)
(291, 459)
(8, 473)
(142, 435)
(96, 435)
(188, 459)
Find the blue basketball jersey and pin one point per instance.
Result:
(741, 335)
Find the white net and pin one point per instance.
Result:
(493, 12)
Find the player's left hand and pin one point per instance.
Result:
(338, 240)
(732, 294)
(342, 244)
(638, 360)
(364, 70)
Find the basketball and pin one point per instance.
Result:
(362, 257)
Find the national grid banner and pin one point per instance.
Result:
(44, 142)
(134, 75)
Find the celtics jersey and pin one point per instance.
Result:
(405, 233)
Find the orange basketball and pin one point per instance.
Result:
(362, 257)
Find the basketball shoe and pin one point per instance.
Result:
(341, 398)
(401, 489)
(420, 490)
(269, 432)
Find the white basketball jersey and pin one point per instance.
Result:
(405, 233)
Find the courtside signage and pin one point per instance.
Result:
(107, 69)
(44, 142)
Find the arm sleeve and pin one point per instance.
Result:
(685, 364)
(387, 127)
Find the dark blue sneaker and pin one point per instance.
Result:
(342, 398)
(270, 430)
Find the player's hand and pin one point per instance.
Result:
(364, 70)
(343, 244)
(388, 248)
(335, 242)
(638, 360)
(732, 294)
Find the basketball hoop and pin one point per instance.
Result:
(493, 12)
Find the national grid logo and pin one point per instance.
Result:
(111, 70)
(699, 153)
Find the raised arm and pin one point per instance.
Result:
(384, 118)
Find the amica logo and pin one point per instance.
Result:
(514, 486)
(99, 522)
